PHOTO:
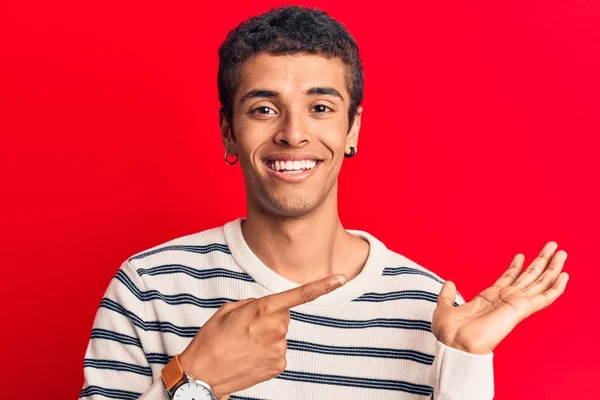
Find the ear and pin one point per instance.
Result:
(226, 134)
(352, 137)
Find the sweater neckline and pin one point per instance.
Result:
(367, 280)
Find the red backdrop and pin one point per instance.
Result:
(479, 141)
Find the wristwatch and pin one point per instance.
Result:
(182, 386)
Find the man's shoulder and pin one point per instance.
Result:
(399, 270)
(201, 242)
(412, 274)
(403, 267)
(400, 264)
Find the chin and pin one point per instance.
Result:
(291, 206)
(285, 202)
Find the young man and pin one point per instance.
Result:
(286, 303)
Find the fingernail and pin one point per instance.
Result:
(341, 279)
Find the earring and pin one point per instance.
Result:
(352, 152)
(230, 162)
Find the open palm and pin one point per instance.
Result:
(480, 325)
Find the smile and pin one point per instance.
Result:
(292, 171)
(291, 166)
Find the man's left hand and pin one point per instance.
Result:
(480, 325)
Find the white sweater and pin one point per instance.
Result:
(369, 339)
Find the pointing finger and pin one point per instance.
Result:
(230, 306)
(283, 301)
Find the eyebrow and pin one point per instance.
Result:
(314, 91)
(324, 90)
(254, 93)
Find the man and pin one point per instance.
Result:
(286, 303)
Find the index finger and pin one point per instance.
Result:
(283, 301)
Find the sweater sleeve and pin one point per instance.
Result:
(457, 374)
(115, 364)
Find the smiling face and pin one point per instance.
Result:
(290, 125)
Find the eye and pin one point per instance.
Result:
(263, 110)
(320, 108)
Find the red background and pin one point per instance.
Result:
(479, 141)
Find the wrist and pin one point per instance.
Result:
(197, 369)
(478, 350)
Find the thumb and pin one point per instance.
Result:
(447, 295)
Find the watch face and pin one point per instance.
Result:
(192, 391)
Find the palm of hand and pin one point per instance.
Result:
(480, 325)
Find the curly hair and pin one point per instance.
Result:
(288, 30)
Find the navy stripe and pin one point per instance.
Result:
(292, 376)
(234, 397)
(191, 331)
(158, 358)
(392, 271)
(400, 295)
(110, 393)
(374, 352)
(397, 323)
(98, 333)
(195, 273)
(189, 248)
(173, 299)
(369, 383)
(185, 298)
(218, 302)
(160, 326)
(117, 366)
(403, 294)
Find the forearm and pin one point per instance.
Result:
(115, 364)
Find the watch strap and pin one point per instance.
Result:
(172, 374)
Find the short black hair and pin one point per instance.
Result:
(288, 30)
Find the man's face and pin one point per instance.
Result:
(290, 123)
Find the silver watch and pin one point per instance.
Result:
(192, 389)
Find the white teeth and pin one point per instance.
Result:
(291, 166)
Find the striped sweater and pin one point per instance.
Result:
(369, 339)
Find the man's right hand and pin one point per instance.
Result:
(244, 342)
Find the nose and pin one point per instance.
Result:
(294, 130)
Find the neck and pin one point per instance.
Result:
(306, 248)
